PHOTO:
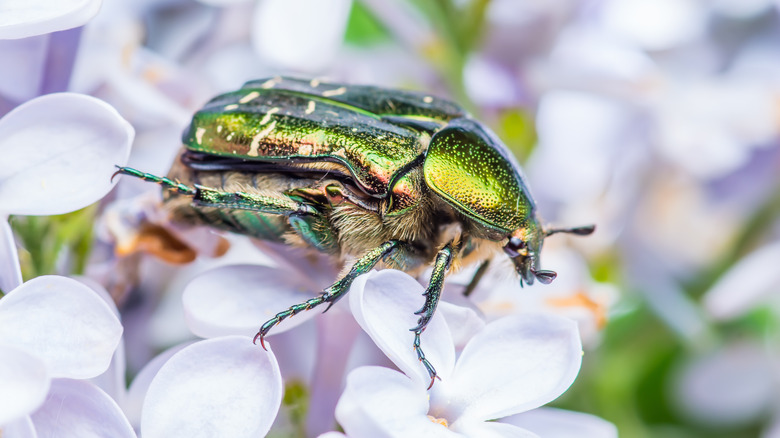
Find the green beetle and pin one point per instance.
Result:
(385, 176)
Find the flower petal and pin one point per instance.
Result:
(746, 284)
(76, 408)
(560, 423)
(64, 323)
(492, 429)
(10, 270)
(237, 299)
(25, 383)
(384, 303)
(21, 428)
(37, 17)
(135, 395)
(59, 152)
(218, 387)
(277, 37)
(382, 402)
(515, 364)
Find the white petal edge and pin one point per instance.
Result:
(59, 153)
(515, 364)
(25, 382)
(133, 403)
(21, 19)
(285, 46)
(746, 284)
(560, 423)
(10, 270)
(493, 429)
(237, 299)
(21, 428)
(383, 402)
(383, 303)
(217, 387)
(64, 323)
(79, 409)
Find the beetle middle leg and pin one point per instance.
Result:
(432, 295)
(335, 291)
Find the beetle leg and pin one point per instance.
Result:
(335, 291)
(432, 295)
(165, 182)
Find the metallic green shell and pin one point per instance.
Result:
(471, 169)
(376, 133)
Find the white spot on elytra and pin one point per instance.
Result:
(199, 134)
(230, 107)
(427, 99)
(249, 97)
(219, 129)
(314, 83)
(337, 92)
(267, 117)
(311, 107)
(253, 147)
(269, 83)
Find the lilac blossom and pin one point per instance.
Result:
(512, 365)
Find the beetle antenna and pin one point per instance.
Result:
(579, 231)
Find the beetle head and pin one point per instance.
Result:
(525, 244)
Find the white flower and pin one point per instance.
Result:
(218, 387)
(51, 327)
(59, 152)
(20, 19)
(512, 365)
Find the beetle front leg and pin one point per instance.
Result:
(432, 295)
(335, 291)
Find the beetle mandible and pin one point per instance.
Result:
(393, 178)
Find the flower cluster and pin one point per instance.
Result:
(656, 120)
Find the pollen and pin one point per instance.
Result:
(337, 92)
(249, 97)
(439, 421)
(581, 299)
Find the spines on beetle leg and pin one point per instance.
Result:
(161, 180)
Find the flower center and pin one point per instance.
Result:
(441, 421)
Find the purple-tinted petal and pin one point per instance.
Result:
(278, 39)
(746, 284)
(112, 381)
(21, 428)
(64, 323)
(20, 19)
(59, 152)
(237, 299)
(559, 423)
(336, 335)
(10, 270)
(24, 382)
(656, 25)
(79, 409)
(218, 387)
(384, 303)
(380, 402)
(492, 429)
(515, 364)
(135, 395)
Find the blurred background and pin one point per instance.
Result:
(656, 120)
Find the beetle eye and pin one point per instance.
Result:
(514, 247)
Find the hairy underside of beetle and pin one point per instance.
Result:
(349, 223)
